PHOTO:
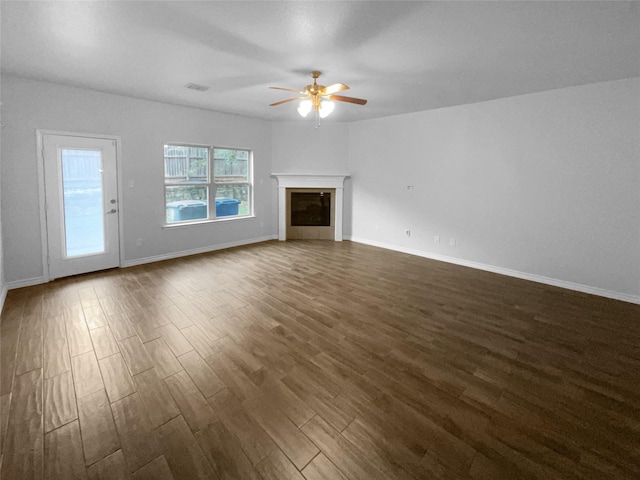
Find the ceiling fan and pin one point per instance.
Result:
(318, 97)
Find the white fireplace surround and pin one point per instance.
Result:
(321, 180)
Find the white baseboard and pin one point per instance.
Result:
(140, 261)
(27, 282)
(3, 296)
(503, 271)
(443, 258)
(195, 251)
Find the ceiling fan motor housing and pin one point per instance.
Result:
(315, 89)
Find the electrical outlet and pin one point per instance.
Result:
(139, 242)
(452, 242)
(408, 232)
(436, 239)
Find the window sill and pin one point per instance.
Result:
(205, 222)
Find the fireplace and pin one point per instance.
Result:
(310, 214)
(310, 206)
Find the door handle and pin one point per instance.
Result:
(113, 210)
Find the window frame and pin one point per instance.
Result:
(211, 186)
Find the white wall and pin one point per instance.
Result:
(299, 147)
(546, 184)
(143, 127)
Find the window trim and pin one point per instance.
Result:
(210, 184)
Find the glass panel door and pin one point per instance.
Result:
(81, 197)
(84, 215)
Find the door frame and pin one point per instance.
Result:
(44, 234)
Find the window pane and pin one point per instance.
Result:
(232, 200)
(186, 203)
(230, 165)
(83, 205)
(186, 164)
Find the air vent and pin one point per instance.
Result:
(196, 87)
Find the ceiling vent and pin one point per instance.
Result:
(196, 87)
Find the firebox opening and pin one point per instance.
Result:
(310, 209)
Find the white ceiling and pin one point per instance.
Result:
(401, 56)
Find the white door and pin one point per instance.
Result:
(81, 197)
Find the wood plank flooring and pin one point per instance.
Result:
(316, 360)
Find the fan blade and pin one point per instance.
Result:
(287, 100)
(336, 87)
(340, 98)
(286, 89)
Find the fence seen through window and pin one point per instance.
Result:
(192, 193)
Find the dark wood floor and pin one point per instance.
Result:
(316, 360)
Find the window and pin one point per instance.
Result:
(206, 183)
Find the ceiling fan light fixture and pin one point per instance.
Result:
(326, 107)
(318, 98)
(304, 108)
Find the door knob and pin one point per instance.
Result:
(113, 210)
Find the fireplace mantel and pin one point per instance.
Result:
(299, 180)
